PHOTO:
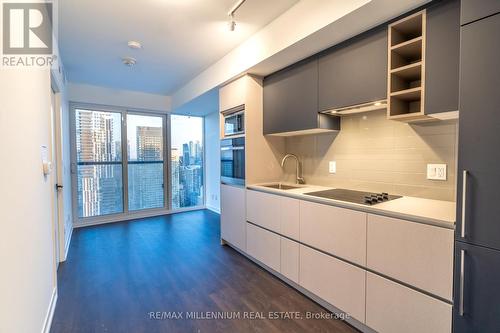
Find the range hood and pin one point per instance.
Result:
(365, 107)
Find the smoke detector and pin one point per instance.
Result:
(129, 61)
(135, 45)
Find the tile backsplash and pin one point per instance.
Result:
(380, 155)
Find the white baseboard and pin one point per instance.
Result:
(213, 209)
(47, 323)
(67, 242)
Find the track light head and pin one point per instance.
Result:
(232, 24)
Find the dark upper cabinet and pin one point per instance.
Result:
(291, 100)
(479, 134)
(473, 10)
(354, 72)
(442, 49)
(476, 292)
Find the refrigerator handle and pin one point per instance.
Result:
(462, 282)
(464, 201)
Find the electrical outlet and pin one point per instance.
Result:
(436, 171)
(332, 167)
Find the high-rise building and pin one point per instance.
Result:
(145, 180)
(98, 140)
(175, 165)
(149, 143)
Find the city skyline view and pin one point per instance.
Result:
(99, 162)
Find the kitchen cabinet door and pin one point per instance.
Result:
(290, 259)
(339, 231)
(335, 281)
(291, 98)
(354, 72)
(264, 209)
(394, 308)
(417, 254)
(233, 94)
(477, 290)
(232, 217)
(479, 134)
(442, 57)
(289, 217)
(265, 246)
(473, 10)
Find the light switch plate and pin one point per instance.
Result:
(332, 167)
(436, 171)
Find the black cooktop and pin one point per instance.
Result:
(359, 197)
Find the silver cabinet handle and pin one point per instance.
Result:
(464, 203)
(462, 281)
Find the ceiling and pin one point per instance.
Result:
(180, 39)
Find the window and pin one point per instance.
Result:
(145, 162)
(187, 161)
(98, 162)
(119, 162)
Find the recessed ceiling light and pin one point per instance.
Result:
(133, 44)
(129, 61)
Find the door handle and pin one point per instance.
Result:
(462, 282)
(464, 201)
(59, 187)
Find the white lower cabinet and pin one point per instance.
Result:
(418, 254)
(339, 231)
(265, 246)
(337, 282)
(264, 209)
(394, 308)
(289, 217)
(232, 217)
(290, 259)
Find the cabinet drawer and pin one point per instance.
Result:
(290, 259)
(335, 281)
(418, 254)
(264, 246)
(394, 308)
(263, 209)
(341, 232)
(232, 217)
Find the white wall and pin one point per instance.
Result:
(28, 276)
(212, 161)
(85, 93)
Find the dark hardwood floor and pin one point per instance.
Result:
(119, 275)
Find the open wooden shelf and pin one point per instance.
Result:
(411, 72)
(406, 53)
(408, 95)
(406, 49)
(406, 29)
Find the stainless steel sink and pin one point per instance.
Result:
(282, 186)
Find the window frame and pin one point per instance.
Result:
(167, 195)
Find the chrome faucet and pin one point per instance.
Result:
(298, 175)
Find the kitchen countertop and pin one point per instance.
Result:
(433, 212)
